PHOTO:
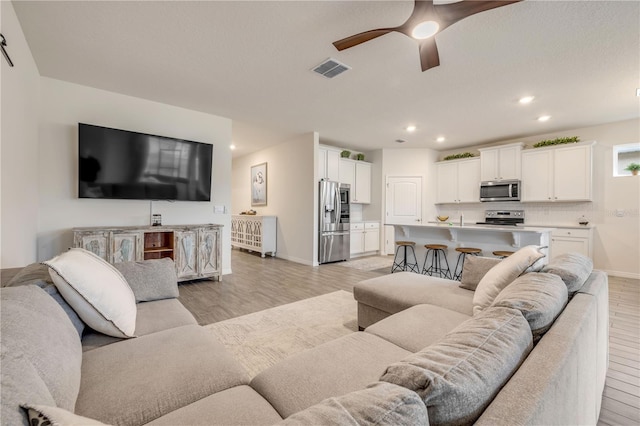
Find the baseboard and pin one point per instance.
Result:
(623, 274)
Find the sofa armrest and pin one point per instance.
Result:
(151, 279)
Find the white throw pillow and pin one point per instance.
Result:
(96, 291)
(503, 274)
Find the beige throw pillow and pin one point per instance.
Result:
(476, 267)
(502, 275)
(96, 291)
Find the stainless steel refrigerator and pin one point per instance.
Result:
(333, 222)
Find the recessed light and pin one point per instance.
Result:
(526, 99)
(544, 118)
(410, 128)
(425, 29)
(232, 147)
(440, 139)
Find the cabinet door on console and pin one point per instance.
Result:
(185, 254)
(96, 242)
(126, 247)
(209, 252)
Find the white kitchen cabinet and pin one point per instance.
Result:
(500, 162)
(458, 181)
(358, 175)
(329, 163)
(564, 240)
(558, 173)
(365, 237)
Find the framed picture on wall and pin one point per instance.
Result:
(259, 185)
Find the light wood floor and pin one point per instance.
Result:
(258, 284)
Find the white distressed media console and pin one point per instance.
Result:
(254, 233)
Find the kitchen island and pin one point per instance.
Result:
(488, 238)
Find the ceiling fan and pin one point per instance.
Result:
(426, 20)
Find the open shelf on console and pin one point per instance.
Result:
(158, 245)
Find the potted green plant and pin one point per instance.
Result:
(360, 157)
(633, 168)
(345, 154)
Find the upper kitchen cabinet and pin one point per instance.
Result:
(500, 162)
(358, 175)
(329, 163)
(458, 181)
(558, 173)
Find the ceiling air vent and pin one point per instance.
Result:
(330, 68)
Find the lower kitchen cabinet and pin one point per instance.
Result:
(365, 238)
(195, 249)
(564, 240)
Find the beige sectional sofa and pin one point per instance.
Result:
(176, 372)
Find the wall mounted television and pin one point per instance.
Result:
(119, 164)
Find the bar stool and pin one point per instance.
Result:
(438, 252)
(502, 253)
(403, 263)
(464, 251)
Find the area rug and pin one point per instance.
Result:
(262, 339)
(369, 263)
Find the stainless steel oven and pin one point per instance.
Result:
(502, 190)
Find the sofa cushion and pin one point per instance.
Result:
(96, 290)
(396, 292)
(540, 297)
(151, 279)
(237, 406)
(151, 317)
(503, 274)
(141, 379)
(30, 274)
(378, 404)
(474, 269)
(458, 376)
(334, 368)
(573, 268)
(40, 352)
(417, 327)
(42, 415)
(38, 274)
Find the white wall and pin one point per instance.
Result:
(19, 147)
(63, 105)
(291, 194)
(616, 239)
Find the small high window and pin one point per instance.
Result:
(623, 155)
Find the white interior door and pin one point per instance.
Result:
(403, 200)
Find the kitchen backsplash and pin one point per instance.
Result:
(537, 213)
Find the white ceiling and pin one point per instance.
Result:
(251, 61)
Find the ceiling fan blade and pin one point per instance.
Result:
(454, 12)
(429, 57)
(357, 39)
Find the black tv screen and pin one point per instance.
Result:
(119, 164)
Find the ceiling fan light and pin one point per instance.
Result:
(425, 30)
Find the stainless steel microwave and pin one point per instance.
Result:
(501, 190)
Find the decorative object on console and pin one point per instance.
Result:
(156, 219)
(259, 185)
(345, 154)
(426, 20)
(557, 141)
(459, 156)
